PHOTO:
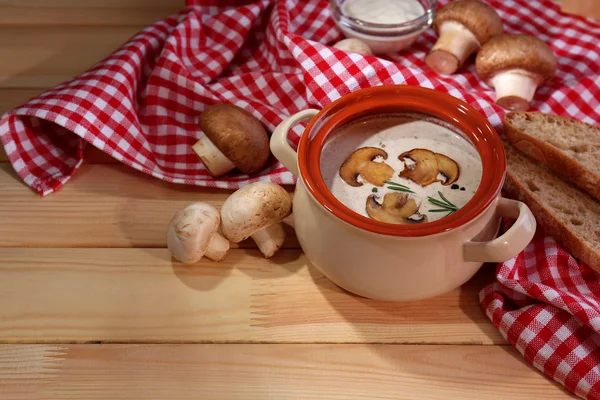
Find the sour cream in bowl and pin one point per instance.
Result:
(387, 26)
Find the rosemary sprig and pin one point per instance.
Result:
(437, 202)
(398, 187)
(446, 200)
(444, 204)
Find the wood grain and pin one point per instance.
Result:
(242, 371)
(11, 98)
(584, 8)
(42, 57)
(102, 206)
(54, 291)
(142, 295)
(88, 13)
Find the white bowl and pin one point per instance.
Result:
(384, 38)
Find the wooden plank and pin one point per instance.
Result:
(236, 371)
(89, 13)
(583, 8)
(43, 56)
(142, 295)
(102, 206)
(11, 98)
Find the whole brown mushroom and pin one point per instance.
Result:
(233, 138)
(463, 26)
(515, 66)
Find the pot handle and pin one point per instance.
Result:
(280, 147)
(512, 242)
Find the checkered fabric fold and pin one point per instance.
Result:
(547, 305)
(273, 58)
(141, 106)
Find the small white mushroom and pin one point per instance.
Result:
(515, 66)
(192, 234)
(256, 211)
(354, 45)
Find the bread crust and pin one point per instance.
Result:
(552, 157)
(515, 189)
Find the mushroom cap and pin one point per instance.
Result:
(395, 209)
(515, 51)
(424, 171)
(428, 165)
(191, 230)
(478, 17)
(238, 135)
(254, 207)
(361, 162)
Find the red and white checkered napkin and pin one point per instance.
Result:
(274, 58)
(547, 305)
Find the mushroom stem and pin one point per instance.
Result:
(211, 156)
(514, 89)
(455, 44)
(269, 239)
(218, 248)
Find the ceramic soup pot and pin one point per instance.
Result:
(400, 262)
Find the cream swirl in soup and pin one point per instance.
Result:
(400, 168)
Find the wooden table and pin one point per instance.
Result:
(93, 306)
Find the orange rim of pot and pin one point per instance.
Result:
(402, 99)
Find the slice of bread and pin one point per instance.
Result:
(569, 147)
(565, 212)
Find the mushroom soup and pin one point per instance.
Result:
(401, 168)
